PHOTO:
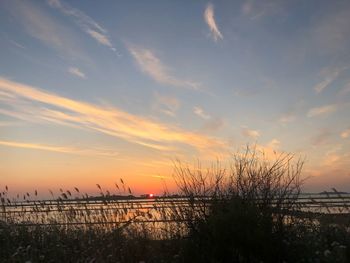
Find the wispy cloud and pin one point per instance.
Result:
(321, 137)
(274, 144)
(292, 113)
(9, 123)
(246, 132)
(200, 112)
(336, 157)
(77, 14)
(214, 124)
(101, 38)
(329, 75)
(325, 83)
(86, 23)
(36, 104)
(287, 117)
(210, 20)
(76, 72)
(157, 176)
(249, 9)
(166, 104)
(150, 64)
(345, 134)
(321, 111)
(330, 33)
(256, 9)
(55, 148)
(331, 159)
(345, 90)
(15, 43)
(40, 25)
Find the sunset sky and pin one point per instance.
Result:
(94, 91)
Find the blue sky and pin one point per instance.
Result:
(92, 91)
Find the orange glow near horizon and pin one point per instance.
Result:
(89, 96)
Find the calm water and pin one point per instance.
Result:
(118, 212)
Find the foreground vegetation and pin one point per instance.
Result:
(248, 213)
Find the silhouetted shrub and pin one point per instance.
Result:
(243, 214)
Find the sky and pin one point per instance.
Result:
(91, 92)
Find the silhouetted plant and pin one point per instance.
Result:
(241, 213)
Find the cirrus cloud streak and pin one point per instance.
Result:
(210, 20)
(35, 104)
(150, 64)
(55, 148)
(321, 111)
(86, 23)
